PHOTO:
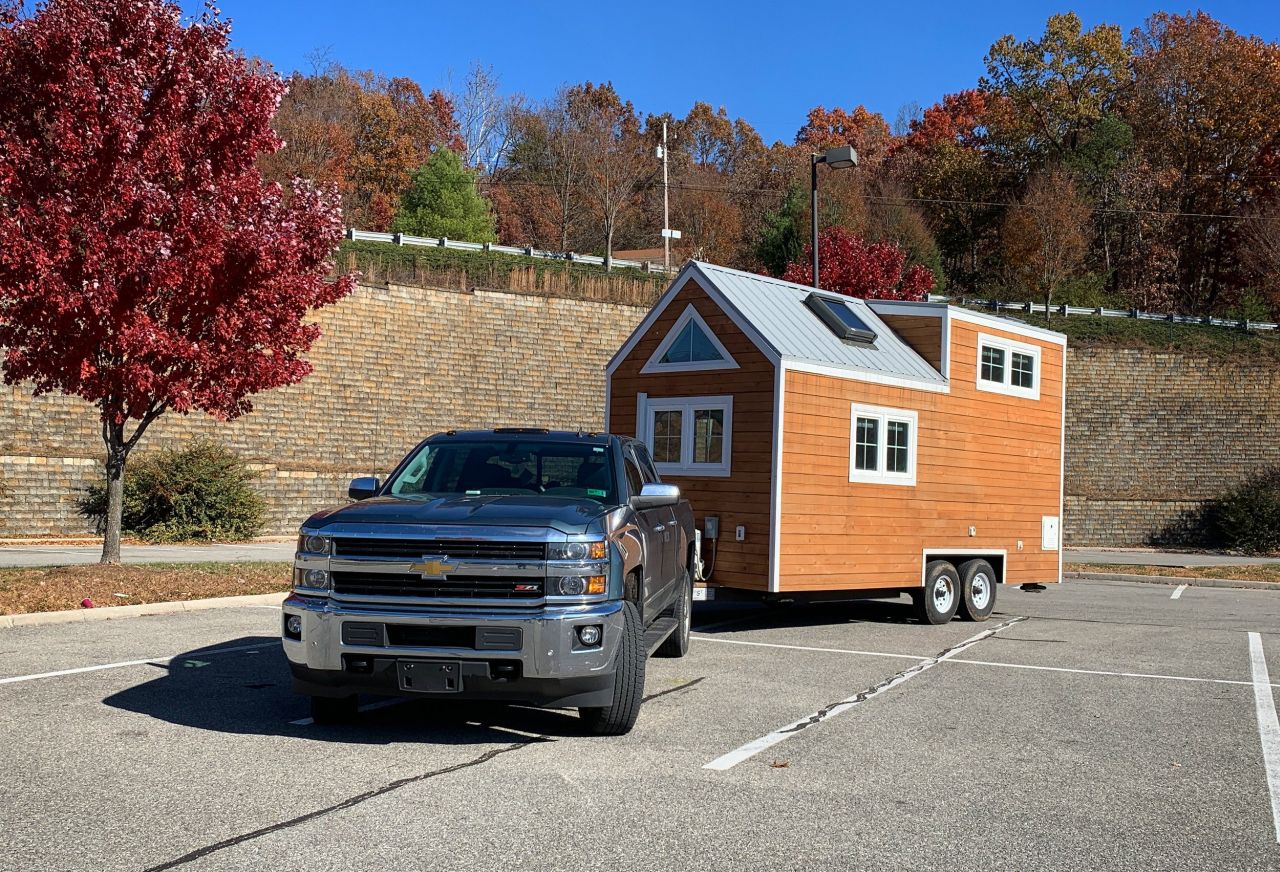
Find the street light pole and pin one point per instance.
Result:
(837, 158)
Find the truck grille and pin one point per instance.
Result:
(451, 587)
(455, 549)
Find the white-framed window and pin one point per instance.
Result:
(690, 435)
(882, 445)
(1008, 367)
(689, 346)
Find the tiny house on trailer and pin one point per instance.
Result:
(863, 447)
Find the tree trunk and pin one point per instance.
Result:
(117, 455)
(608, 246)
(1048, 303)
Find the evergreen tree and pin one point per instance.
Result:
(442, 200)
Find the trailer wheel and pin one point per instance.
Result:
(978, 589)
(937, 603)
(333, 709)
(677, 644)
(620, 715)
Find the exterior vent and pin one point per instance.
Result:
(840, 319)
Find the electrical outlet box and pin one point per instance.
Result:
(973, 531)
(741, 533)
(711, 527)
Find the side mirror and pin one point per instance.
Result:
(653, 496)
(362, 488)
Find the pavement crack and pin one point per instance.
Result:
(685, 686)
(897, 678)
(345, 804)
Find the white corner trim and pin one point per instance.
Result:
(690, 314)
(1062, 469)
(775, 480)
(995, 322)
(883, 415)
(1009, 347)
(875, 378)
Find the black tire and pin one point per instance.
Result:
(937, 603)
(978, 583)
(333, 709)
(677, 644)
(617, 718)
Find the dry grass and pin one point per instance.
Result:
(1266, 572)
(47, 589)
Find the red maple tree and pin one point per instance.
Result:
(145, 265)
(850, 265)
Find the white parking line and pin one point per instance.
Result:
(754, 747)
(157, 660)
(1104, 672)
(1177, 594)
(1268, 726)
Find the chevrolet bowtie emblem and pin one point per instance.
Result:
(433, 567)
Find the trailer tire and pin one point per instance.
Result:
(617, 718)
(937, 603)
(677, 644)
(978, 590)
(334, 709)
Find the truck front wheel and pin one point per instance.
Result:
(620, 715)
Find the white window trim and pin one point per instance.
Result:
(884, 415)
(1008, 346)
(686, 406)
(655, 363)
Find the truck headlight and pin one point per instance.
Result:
(596, 550)
(311, 580)
(314, 544)
(577, 585)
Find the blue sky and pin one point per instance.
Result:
(766, 62)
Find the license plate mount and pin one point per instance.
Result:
(430, 676)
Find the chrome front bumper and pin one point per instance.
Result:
(548, 648)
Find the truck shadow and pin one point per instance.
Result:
(243, 686)
(735, 617)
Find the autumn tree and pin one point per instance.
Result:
(1046, 235)
(1057, 87)
(442, 200)
(848, 264)
(145, 264)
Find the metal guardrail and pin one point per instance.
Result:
(441, 242)
(1100, 311)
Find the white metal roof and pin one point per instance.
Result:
(777, 311)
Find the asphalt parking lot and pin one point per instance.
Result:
(1092, 726)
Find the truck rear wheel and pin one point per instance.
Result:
(937, 603)
(333, 709)
(620, 715)
(978, 590)
(677, 644)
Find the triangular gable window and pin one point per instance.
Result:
(690, 345)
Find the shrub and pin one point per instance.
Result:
(200, 492)
(1248, 518)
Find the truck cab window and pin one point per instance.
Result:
(646, 464)
(635, 479)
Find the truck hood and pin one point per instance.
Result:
(566, 515)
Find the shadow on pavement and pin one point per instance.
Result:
(249, 691)
(733, 617)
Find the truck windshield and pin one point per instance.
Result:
(573, 470)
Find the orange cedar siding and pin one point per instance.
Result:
(922, 332)
(983, 459)
(742, 498)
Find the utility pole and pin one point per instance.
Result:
(667, 233)
(666, 222)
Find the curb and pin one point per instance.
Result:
(1173, 580)
(107, 613)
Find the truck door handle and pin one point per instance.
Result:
(659, 528)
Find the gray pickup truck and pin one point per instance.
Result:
(523, 565)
